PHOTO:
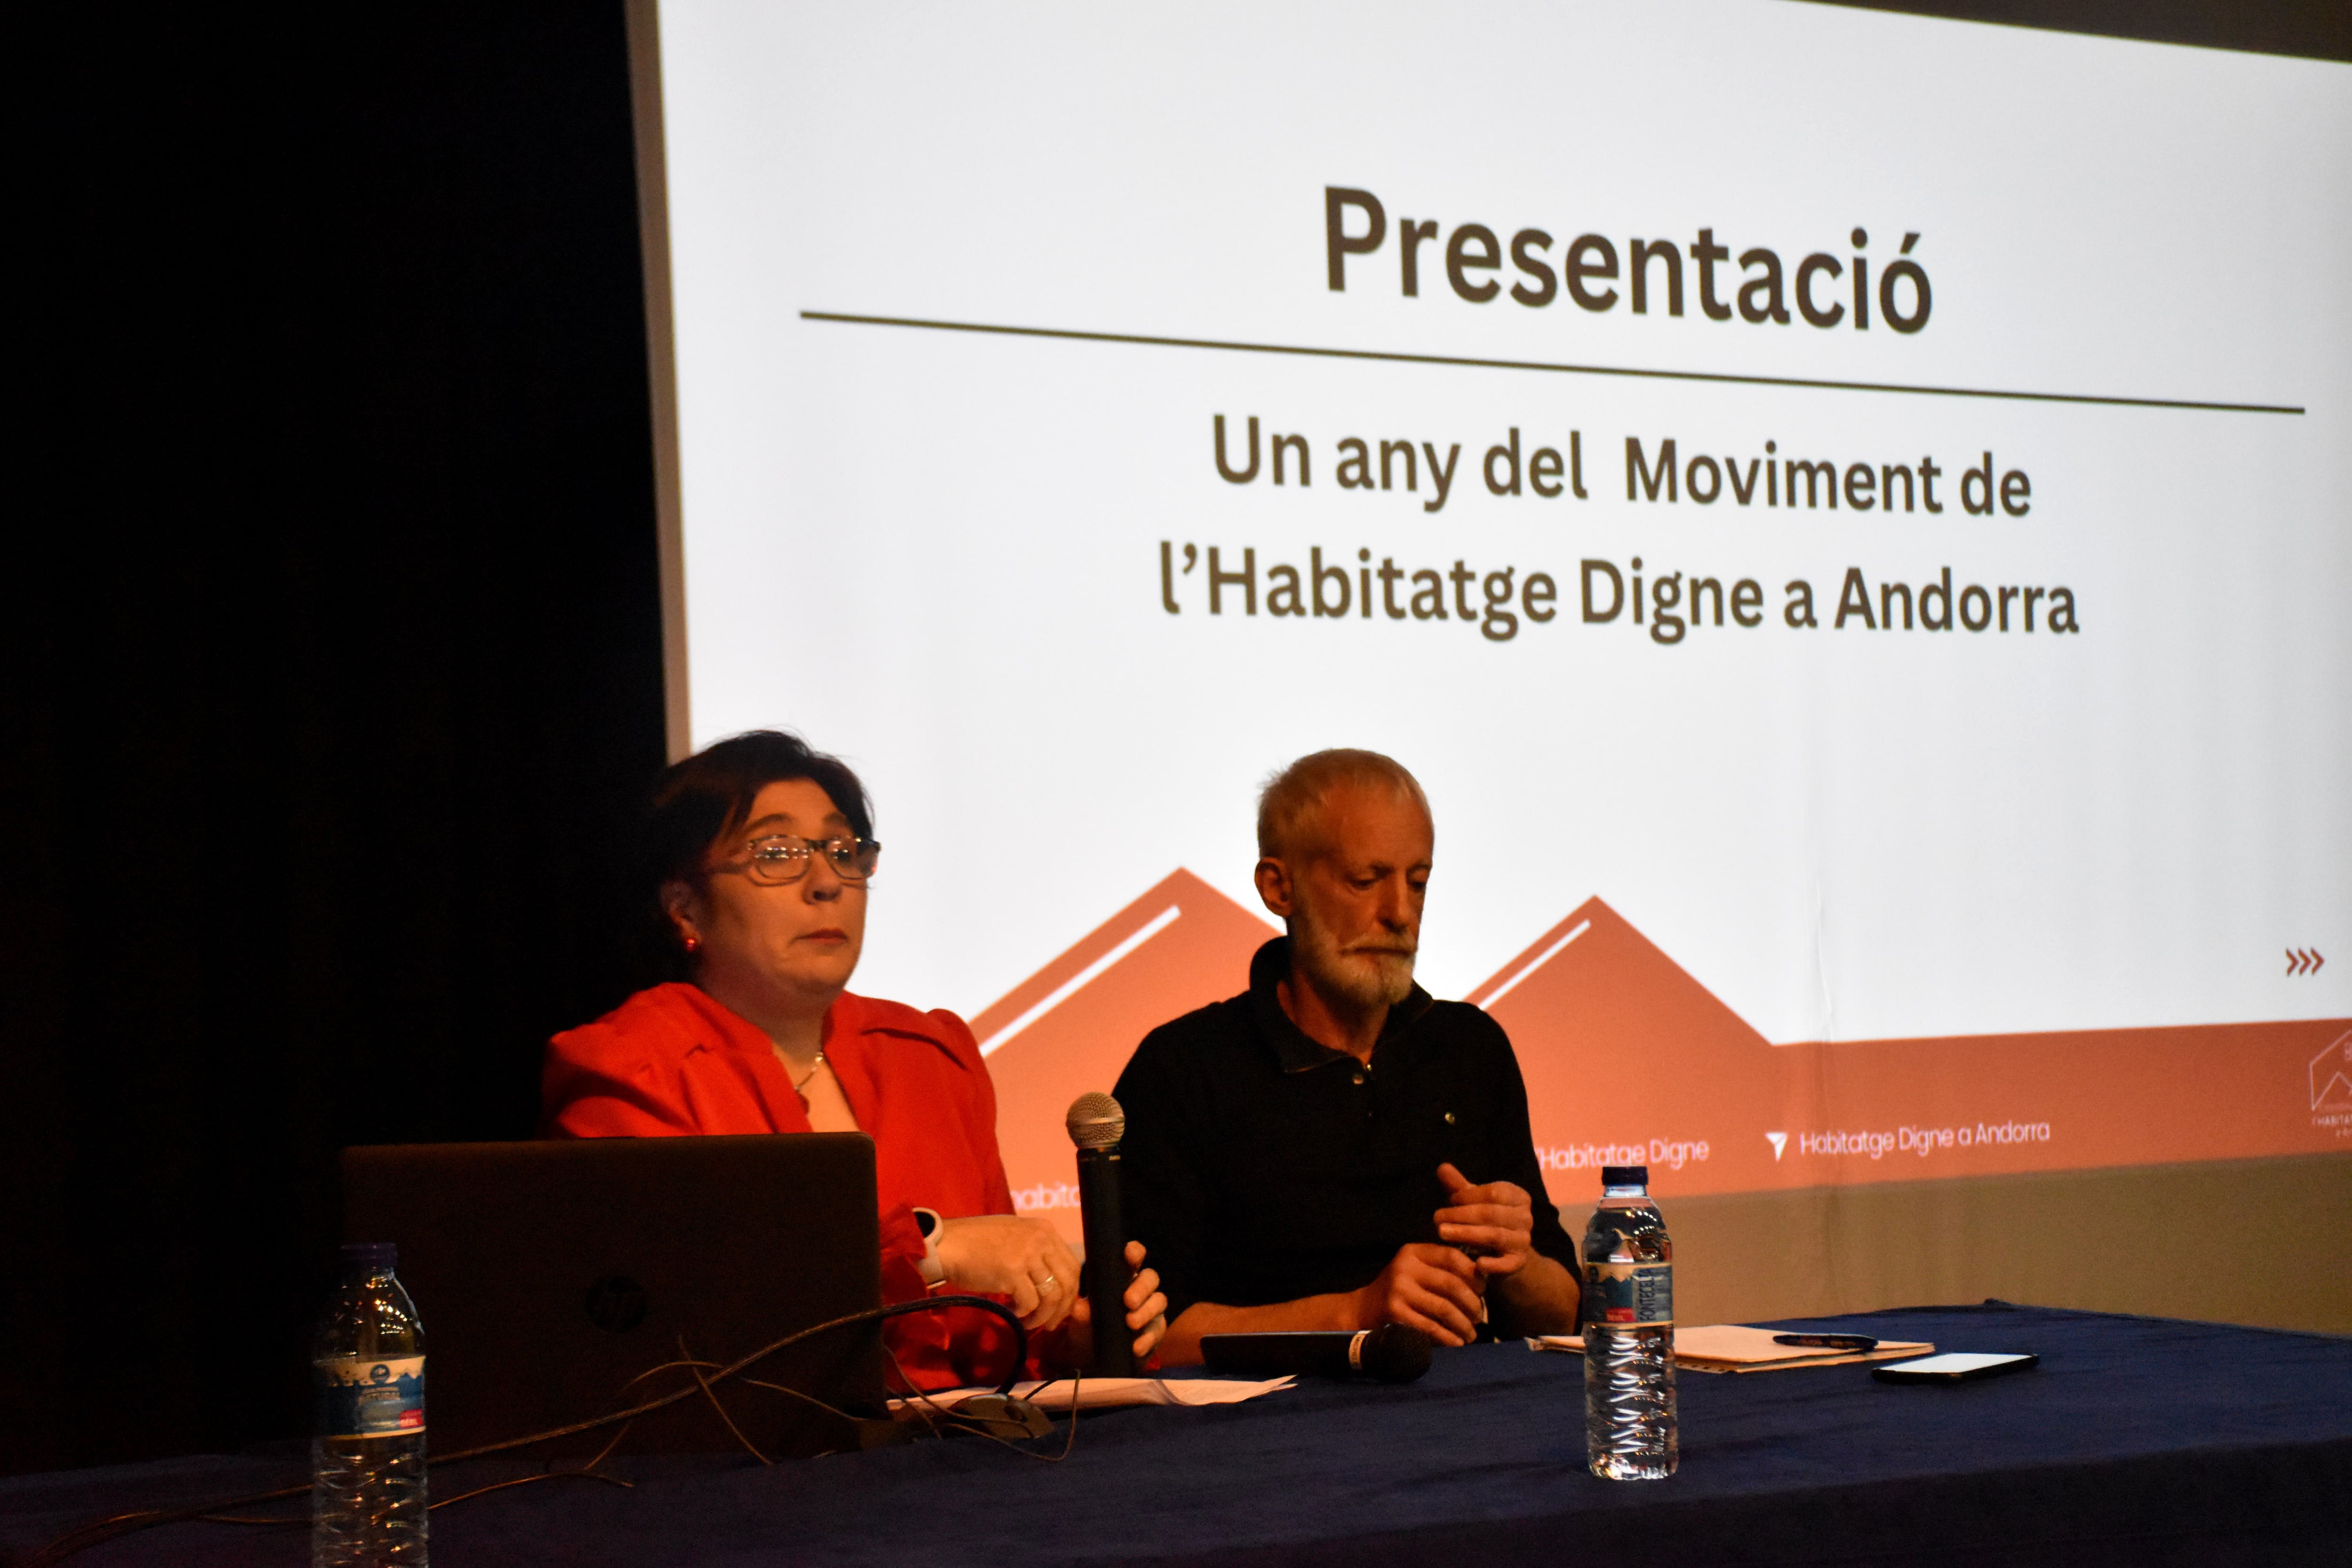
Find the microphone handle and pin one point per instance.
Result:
(1105, 1273)
(1313, 1353)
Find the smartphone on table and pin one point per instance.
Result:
(1961, 1366)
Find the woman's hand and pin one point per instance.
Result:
(1146, 1313)
(1004, 1255)
(1147, 1308)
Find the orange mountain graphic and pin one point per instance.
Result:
(1628, 1060)
(1070, 1027)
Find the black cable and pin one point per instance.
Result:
(871, 1315)
(934, 1415)
(586, 1472)
(82, 1537)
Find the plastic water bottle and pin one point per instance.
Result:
(1629, 1333)
(367, 1456)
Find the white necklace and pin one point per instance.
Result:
(812, 1072)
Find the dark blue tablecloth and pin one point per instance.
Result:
(2138, 1441)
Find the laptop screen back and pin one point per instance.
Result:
(555, 1276)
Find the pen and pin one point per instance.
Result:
(1828, 1341)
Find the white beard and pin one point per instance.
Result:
(1367, 979)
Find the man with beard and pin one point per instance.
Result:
(1332, 1149)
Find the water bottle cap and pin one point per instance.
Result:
(378, 1257)
(1624, 1175)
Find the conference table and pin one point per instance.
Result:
(2137, 1441)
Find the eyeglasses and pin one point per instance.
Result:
(781, 858)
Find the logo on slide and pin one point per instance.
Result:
(2331, 1075)
(1778, 1140)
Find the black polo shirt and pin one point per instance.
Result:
(1260, 1166)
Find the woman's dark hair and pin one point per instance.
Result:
(709, 794)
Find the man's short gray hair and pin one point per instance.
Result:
(1293, 798)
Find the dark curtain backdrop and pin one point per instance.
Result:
(333, 659)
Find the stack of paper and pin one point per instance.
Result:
(1729, 1347)
(1109, 1393)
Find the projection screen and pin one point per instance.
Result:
(1845, 513)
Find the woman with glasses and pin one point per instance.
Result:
(759, 855)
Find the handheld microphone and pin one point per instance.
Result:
(1097, 1124)
(1393, 1353)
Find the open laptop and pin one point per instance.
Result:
(550, 1274)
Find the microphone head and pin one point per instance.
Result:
(1096, 1122)
(1393, 1353)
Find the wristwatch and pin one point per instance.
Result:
(934, 1272)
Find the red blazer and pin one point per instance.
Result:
(671, 1061)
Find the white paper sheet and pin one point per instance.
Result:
(1110, 1392)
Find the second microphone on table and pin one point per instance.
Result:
(1392, 1353)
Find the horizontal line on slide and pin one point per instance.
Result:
(1073, 335)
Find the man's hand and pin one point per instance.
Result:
(1498, 1219)
(1432, 1288)
(1005, 1255)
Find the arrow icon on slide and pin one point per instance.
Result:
(2300, 960)
(1778, 1140)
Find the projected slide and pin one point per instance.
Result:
(1849, 516)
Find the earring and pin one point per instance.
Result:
(693, 942)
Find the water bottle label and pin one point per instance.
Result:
(1629, 1295)
(363, 1396)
